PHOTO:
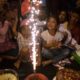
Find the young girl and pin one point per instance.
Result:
(24, 41)
(63, 26)
(8, 45)
(53, 42)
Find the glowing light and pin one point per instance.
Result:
(29, 8)
(34, 47)
(33, 24)
(44, 22)
(37, 12)
(33, 8)
(34, 1)
(40, 2)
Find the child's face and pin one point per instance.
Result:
(52, 24)
(42, 15)
(62, 16)
(74, 17)
(25, 31)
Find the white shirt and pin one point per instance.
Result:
(46, 36)
(22, 42)
(63, 29)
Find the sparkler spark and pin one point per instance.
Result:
(34, 47)
(34, 31)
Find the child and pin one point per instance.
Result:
(63, 26)
(24, 41)
(52, 43)
(8, 45)
(74, 26)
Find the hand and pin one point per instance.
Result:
(56, 44)
(38, 63)
(24, 51)
(52, 43)
(59, 44)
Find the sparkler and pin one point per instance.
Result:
(33, 25)
(34, 50)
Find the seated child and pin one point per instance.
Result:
(23, 38)
(24, 41)
(53, 48)
(8, 45)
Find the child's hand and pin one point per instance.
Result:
(59, 44)
(24, 51)
(53, 43)
(38, 63)
(56, 44)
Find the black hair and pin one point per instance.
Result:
(77, 11)
(66, 14)
(53, 16)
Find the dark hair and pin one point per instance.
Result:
(77, 11)
(53, 16)
(2, 16)
(66, 12)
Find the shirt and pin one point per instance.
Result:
(62, 28)
(46, 36)
(22, 42)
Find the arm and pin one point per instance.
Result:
(5, 28)
(14, 28)
(39, 55)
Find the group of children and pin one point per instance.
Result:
(57, 42)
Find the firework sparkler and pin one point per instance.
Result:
(34, 11)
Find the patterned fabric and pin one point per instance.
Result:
(6, 43)
(68, 74)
